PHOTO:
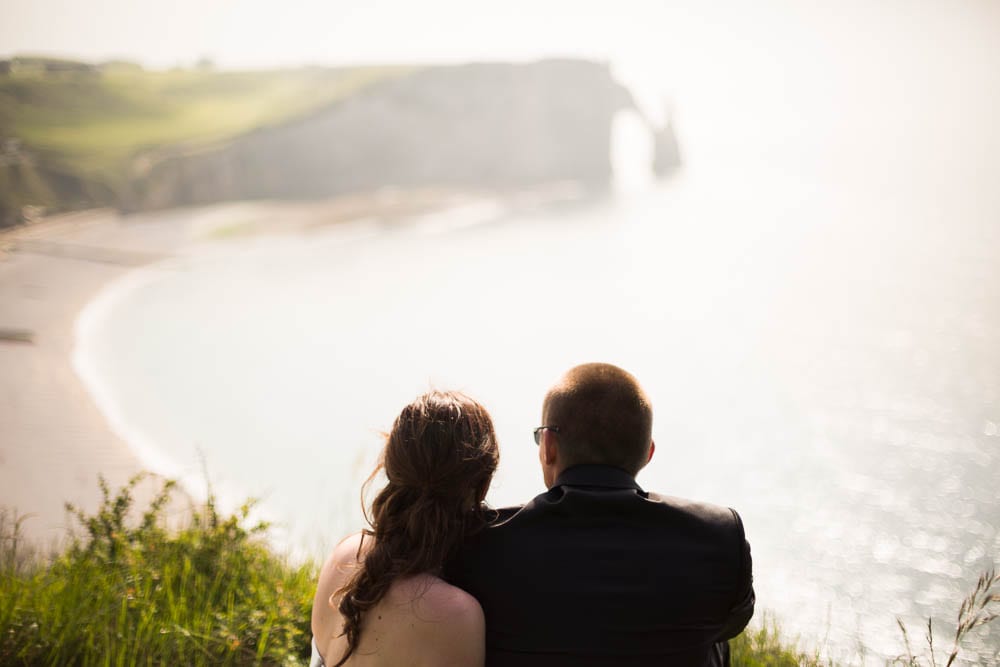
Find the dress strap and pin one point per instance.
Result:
(316, 660)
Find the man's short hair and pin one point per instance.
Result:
(603, 416)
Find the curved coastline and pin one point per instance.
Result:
(62, 426)
(107, 299)
(56, 440)
(59, 278)
(151, 454)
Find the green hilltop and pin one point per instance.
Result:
(71, 133)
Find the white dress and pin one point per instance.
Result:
(316, 660)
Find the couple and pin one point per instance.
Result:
(596, 571)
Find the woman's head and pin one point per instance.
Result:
(438, 461)
(442, 447)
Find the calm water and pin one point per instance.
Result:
(813, 304)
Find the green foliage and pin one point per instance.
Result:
(764, 646)
(130, 591)
(101, 126)
(92, 119)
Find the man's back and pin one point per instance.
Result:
(598, 572)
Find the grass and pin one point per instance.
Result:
(92, 120)
(129, 591)
(765, 645)
(979, 608)
(102, 125)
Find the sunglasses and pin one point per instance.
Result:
(538, 432)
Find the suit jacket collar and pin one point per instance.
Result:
(602, 476)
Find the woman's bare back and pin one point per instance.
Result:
(421, 621)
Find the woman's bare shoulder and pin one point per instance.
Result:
(350, 549)
(445, 620)
(346, 555)
(436, 598)
(336, 571)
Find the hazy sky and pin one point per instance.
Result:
(265, 32)
(240, 33)
(782, 73)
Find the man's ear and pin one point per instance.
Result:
(550, 449)
(652, 448)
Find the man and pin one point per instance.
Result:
(597, 571)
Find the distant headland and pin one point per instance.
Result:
(78, 135)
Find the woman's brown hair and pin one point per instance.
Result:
(438, 460)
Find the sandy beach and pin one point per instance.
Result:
(54, 440)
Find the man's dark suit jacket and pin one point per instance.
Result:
(599, 572)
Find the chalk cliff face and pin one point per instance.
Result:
(477, 125)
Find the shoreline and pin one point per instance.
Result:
(55, 441)
(62, 430)
(100, 392)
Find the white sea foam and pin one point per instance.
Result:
(84, 362)
(151, 452)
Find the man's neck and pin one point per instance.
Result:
(592, 474)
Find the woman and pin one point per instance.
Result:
(379, 600)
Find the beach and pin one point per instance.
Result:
(55, 440)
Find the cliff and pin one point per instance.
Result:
(111, 136)
(495, 126)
